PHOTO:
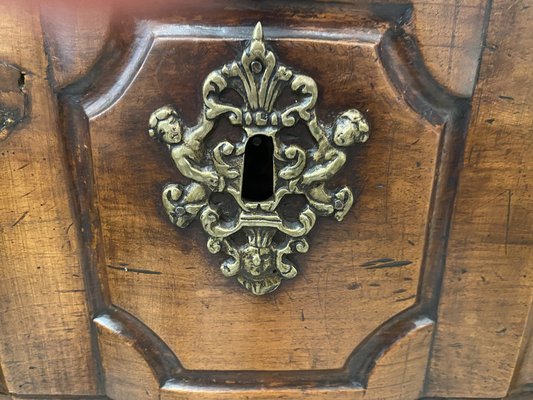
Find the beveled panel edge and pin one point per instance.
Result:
(428, 98)
(147, 32)
(173, 377)
(440, 107)
(164, 364)
(421, 92)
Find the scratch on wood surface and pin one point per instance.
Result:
(136, 270)
(387, 179)
(20, 218)
(491, 200)
(374, 262)
(451, 53)
(26, 194)
(508, 218)
(405, 298)
(353, 286)
(385, 263)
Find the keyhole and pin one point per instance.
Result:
(258, 172)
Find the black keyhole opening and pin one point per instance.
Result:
(258, 171)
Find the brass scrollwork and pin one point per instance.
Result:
(254, 234)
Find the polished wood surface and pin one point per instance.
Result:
(207, 321)
(423, 291)
(45, 342)
(486, 292)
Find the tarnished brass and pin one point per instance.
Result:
(256, 235)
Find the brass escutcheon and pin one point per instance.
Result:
(260, 169)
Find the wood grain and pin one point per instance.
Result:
(74, 37)
(522, 382)
(486, 295)
(45, 344)
(336, 293)
(127, 375)
(162, 64)
(450, 34)
(174, 392)
(83, 234)
(399, 373)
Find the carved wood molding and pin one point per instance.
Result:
(95, 95)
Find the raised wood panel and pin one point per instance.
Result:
(349, 304)
(394, 175)
(170, 326)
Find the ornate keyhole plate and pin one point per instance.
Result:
(257, 238)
